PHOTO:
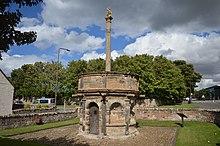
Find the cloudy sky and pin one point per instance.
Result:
(177, 29)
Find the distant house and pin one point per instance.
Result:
(213, 92)
(6, 95)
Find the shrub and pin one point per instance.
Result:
(38, 106)
(46, 106)
(27, 106)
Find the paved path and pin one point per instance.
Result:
(208, 104)
(67, 136)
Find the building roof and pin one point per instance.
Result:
(215, 87)
(6, 77)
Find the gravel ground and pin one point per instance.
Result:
(67, 136)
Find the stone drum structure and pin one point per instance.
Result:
(108, 99)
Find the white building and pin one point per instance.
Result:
(6, 95)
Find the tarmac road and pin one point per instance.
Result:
(209, 104)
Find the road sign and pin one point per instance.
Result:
(56, 88)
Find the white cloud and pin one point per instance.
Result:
(16, 61)
(189, 47)
(134, 18)
(95, 55)
(203, 52)
(26, 22)
(49, 36)
(204, 83)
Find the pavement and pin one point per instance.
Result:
(208, 104)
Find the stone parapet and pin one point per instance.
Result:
(108, 80)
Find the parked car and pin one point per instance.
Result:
(43, 102)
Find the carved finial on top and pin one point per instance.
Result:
(108, 14)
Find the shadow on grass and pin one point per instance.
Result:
(62, 141)
(137, 125)
(43, 141)
(217, 144)
(179, 124)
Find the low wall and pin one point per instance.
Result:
(30, 111)
(21, 120)
(206, 115)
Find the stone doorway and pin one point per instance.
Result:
(94, 118)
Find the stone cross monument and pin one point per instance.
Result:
(108, 19)
(108, 99)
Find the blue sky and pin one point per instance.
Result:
(177, 29)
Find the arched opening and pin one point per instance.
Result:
(116, 114)
(93, 118)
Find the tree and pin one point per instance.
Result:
(121, 64)
(10, 16)
(37, 80)
(169, 83)
(17, 81)
(96, 65)
(142, 66)
(190, 76)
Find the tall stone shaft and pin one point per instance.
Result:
(108, 19)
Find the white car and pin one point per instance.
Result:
(44, 101)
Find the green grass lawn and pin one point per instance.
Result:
(67, 106)
(184, 105)
(15, 131)
(12, 142)
(192, 134)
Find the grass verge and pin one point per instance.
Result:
(67, 106)
(184, 105)
(15, 131)
(157, 123)
(15, 142)
(192, 134)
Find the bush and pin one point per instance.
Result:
(27, 106)
(46, 106)
(38, 106)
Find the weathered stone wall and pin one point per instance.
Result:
(206, 115)
(30, 111)
(217, 118)
(143, 102)
(21, 120)
(112, 81)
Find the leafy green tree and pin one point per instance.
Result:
(169, 82)
(70, 81)
(10, 17)
(159, 77)
(121, 64)
(22, 79)
(17, 81)
(36, 80)
(96, 65)
(190, 76)
(142, 66)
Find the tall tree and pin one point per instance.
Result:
(17, 81)
(37, 80)
(70, 81)
(142, 66)
(10, 17)
(96, 65)
(121, 64)
(190, 76)
(169, 83)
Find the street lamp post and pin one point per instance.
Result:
(57, 72)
